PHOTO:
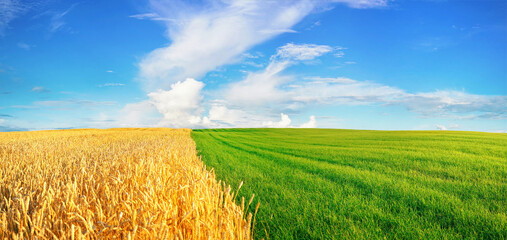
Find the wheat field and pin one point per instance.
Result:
(115, 183)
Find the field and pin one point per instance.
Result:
(335, 184)
(116, 183)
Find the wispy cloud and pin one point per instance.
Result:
(70, 102)
(11, 129)
(263, 87)
(40, 89)
(151, 16)
(449, 127)
(364, 3)
(301, 51)
(111, 85)
(271, 89)
(9, 10)
(24, 46)
(206, 38)
(57, 19)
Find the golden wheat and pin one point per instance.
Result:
(115, 183)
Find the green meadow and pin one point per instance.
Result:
(352, 184)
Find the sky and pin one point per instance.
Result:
(351, 64)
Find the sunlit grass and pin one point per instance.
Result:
(334, 184)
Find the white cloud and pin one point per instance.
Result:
(363, 3)
(259, 88)
(204, 39)
(441, 127)
(263, 87)
(139, 114)
(222, 116)
(312, 123)
(9, 10)
(283, 123)
(40, 89)
(345, 91)
(57, 21)
(110, 71)
(151, 16)
(301, 51)
(71, 102)
(269, 89)
(343, 80)
(214, 34)
(444, 128)
(144, 16)
(454, 104)
(111, 85)
(180, 106)
(24, 46)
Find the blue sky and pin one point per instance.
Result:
(358, 64)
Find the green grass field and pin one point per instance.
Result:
(335, 184)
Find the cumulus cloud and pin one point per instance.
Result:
(203, 38)
(283, 123)
(310, 124)
(180, 106)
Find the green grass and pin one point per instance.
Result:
(335, 184)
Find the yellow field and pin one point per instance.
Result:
(116, 183)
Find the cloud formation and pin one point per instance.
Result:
(40, 89)
(363, 3)
(220, 33)
(264, 86)
(181, 105)
(204, 38)
(285, 122)
(9, 10)
(301, 51)
(111, 85)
